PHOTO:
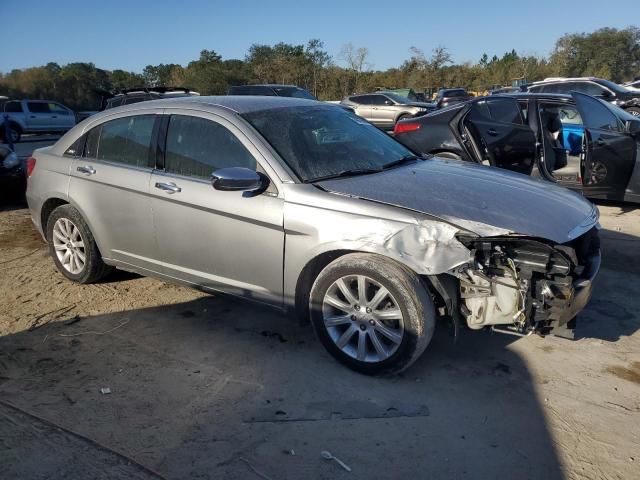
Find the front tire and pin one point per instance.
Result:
(73, 248)
(371, 313)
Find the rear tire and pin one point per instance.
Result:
(14, 131)
(382, 331)
(73, 248)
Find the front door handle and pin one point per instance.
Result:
(86, 169)
(493, 132)
(170, 188)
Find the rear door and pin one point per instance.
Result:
(608, 153)
(61, 117)
(229, 241)
(110, 185)
(498, 128)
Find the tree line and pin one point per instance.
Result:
(609, 53)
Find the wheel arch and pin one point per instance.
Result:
(308, 275)
(47, 208)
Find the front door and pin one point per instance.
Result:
(609, 152)
(383, 111)
(498, 128)
(221, 240)
(109, 184)
(39, 117)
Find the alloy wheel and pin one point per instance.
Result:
(363, 318)
(69, 246)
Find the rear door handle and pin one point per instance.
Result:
(170, 188)
(493, 132)
(600, 142)
(86, 169)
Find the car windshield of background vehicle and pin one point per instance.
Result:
(294, 92)
(614, 86)
(324, 141)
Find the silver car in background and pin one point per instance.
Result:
(384, 110)
(303, 206)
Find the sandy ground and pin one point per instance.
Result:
(207, 387)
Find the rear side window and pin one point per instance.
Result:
(124, 140)
(13, 107)
(134, 99)
(362, 99)
(196, 147)
(38, 107)
(505, 111)
(501, 110)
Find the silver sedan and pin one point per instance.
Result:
(303, 206)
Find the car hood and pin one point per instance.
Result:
(485, 200)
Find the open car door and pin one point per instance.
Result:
(608, 151)
(500, 133)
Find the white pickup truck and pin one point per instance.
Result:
(35, 116)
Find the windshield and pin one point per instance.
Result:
(613, 86)
(294, 92)
(324, 141)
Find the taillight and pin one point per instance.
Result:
(31, 165)
(404, 127)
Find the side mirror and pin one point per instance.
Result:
(632, 127)
(388, 102)
(236, 179)
(606, 94)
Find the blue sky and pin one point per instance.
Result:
(132, 34)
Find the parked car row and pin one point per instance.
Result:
(380, 243)
(576, 140)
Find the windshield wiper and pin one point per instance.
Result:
(346, 173)
(400, 161)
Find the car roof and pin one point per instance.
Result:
(236, 103)
(273, 85)
(555, 96)
(565, 79)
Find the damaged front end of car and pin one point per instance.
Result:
(521, 285)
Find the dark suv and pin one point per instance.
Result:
(271, 90)
(142, 94)
(451, 96)
(596, 87)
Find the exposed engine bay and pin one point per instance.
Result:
(521, 286)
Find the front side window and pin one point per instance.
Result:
(58, 109)
(380, 100)
(590, 88)
(124, 140)
(598, 115)
(196, 147)
(323, 141)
